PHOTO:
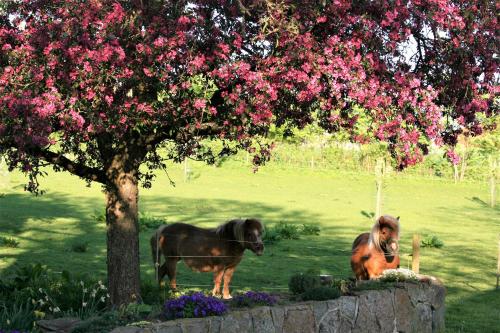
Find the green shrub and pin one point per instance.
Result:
(432, 242)
(8, 242)
(148, 221)
(271, 236)
(80, 247)
(105, 323)
(16, 313)
(99, 217)
(51, 294)
(321, 294)
(310, 229)
(287, 231)
(300, 283)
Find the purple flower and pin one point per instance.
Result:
(194, 305)
(253, 298)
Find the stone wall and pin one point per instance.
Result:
(407, 307)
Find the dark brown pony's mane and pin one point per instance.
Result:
(235, 229)
(374, 240)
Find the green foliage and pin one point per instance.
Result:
(148, 221)
(284, 230)
(80, 247)
(99, 217)
(271, 236)
(373, 285)
(310, 229)
(432, 241)
(132, 314)
(321, 293)
(300, 283)
(34, 291)
(8, 242)
(104, 323)
(287, 231)
(16, 313)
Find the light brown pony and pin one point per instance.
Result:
(217, 250)
(374, 252)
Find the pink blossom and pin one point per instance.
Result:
(200, 103)
(453, 157)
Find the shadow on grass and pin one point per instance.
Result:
(49, 225)
(473, 311)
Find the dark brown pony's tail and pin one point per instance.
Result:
(156, 252)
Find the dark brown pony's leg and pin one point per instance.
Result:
(171, 272)
(228, 275)
(217, 280)
(168, 268)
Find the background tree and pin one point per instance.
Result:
(96, 87)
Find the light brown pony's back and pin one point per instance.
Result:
(217, 250)
(374, 252)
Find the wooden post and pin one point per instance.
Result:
(415, 262)
(493, 182)
(379, 176)
(186, 170)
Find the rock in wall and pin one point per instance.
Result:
(406, 307)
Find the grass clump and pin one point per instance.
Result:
(300, 283)
(310, 230)
(148, 221)
(284, 230)
(80, 247)
(8, 242)
(287, 230)
(432, 241)
(321, 293)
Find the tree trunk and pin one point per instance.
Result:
(122, 232)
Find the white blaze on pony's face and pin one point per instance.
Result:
(385, 234)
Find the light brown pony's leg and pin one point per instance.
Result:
(375, 266)
(217, 280)
(228, 275)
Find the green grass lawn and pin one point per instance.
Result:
(47, 226)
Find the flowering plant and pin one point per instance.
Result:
(254, 298)
(194, 305)
(398, 275)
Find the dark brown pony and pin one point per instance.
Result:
(374, 252)
(217, 250)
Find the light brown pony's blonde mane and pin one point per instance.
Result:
(374, 240)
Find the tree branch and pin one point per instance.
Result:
(75, 168)
(181, 134)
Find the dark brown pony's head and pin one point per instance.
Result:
(385, 234)
(252, 236)
(248, 232)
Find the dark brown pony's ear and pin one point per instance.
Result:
(381, 220)
(397, 218)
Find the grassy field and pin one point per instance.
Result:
(47, 227)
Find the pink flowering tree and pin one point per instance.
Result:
(97, 87)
